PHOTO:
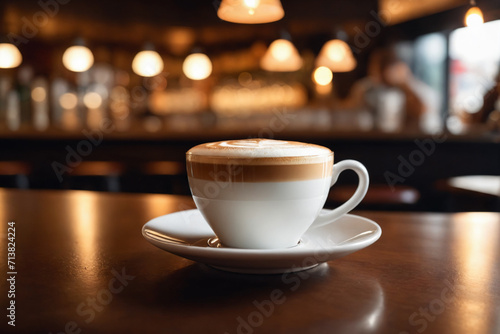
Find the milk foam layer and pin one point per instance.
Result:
(257, 151)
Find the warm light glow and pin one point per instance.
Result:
(474, 17)
(337, 56)
(68, 101)
(281, 49)
(322, 76)
(156, 205)
(197, 66)
(245, 79)
(250, 11)
(324, 90)
(152, 124)
(251, 4)
(147, 63)
(83, 217)
(40, 106)
(281, 56)
(10, 56)
(4, 214)
(92, 100)
(78, 58)
(39, 94)
(256, 98)
(172, 101)
(474, 246)
(179, 40)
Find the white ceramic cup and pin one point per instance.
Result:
(259, 194)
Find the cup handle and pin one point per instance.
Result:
(358, 196)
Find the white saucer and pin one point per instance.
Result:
(187, 234)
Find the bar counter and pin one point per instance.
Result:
(398, 159)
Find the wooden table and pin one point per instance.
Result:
(83, 267)
(479, 184)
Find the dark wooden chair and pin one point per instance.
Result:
(167, 177)
(96, 175)
(15, 174)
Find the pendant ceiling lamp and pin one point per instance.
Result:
(10, 56)
(250, 11)
(337, 56)
(197, 66)
(474, 16)
(148, 62)
(281, 56)
(78, 58)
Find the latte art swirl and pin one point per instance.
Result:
(250, 143)
(259, 148)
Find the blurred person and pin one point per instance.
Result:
(390, 91)
(490, 111)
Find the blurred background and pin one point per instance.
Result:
(106, 96)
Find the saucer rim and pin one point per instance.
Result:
(224, 252)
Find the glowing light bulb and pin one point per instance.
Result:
(197, 66)
(78, 58)
(92, 100)
(39, 94)
(147, 63)
(323, 76)
(10, 56)
(252, 5)
(474, 17)
(68, 101)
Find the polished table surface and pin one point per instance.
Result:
(83, 267)
(482, 184)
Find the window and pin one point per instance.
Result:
(474, 60)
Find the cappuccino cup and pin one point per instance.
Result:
(262, 193)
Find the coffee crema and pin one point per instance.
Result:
(259, 160)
